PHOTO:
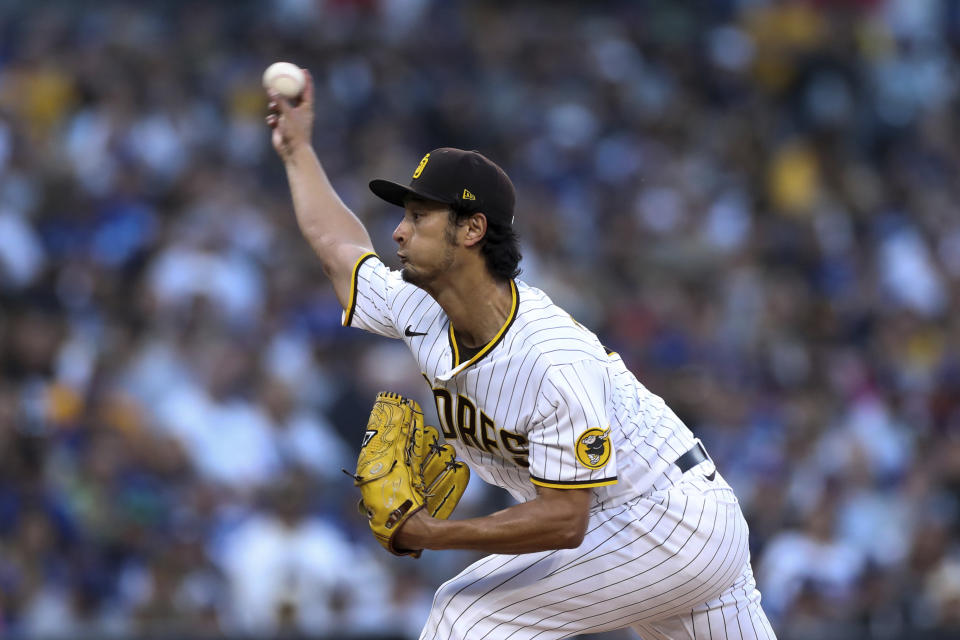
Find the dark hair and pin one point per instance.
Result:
(500, 248)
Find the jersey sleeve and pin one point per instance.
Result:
(374, 292)
(570, 440)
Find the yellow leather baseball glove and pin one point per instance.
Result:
(403, 468)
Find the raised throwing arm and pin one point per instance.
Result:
(335, 233)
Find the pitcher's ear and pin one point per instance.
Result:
(476, 229)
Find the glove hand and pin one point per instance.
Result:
(402, 468)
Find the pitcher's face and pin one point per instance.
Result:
(426, 241)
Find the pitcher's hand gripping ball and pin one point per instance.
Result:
(285, 78)
(403, 468)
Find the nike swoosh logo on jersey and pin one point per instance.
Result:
(411, 333)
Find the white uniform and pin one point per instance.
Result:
(544, 403)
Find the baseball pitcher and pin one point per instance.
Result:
(622, 519)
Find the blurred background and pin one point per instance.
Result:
(755, 202)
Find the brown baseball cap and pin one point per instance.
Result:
(466, 180)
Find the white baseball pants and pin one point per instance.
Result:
(673, 564)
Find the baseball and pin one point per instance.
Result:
(285, 78)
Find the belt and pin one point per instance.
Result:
(692, 458)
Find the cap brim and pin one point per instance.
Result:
(396, 193)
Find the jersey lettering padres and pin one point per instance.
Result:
(543, 403)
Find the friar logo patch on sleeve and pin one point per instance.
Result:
(593, 448)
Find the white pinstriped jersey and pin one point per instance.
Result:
(665, 551)
(543, 403)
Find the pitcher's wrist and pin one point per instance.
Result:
(298, 154)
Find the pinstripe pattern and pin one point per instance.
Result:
(546, 381)
(544, 403)
(673, 564)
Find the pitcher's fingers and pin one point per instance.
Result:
(281, 105)
(307, 97)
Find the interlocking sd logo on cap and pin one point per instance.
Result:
(419, 169)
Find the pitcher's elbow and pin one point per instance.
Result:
(573, 533)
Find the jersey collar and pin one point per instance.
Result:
(460, 366)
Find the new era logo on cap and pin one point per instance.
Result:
(467, 180)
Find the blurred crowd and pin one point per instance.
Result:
(755, 202)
